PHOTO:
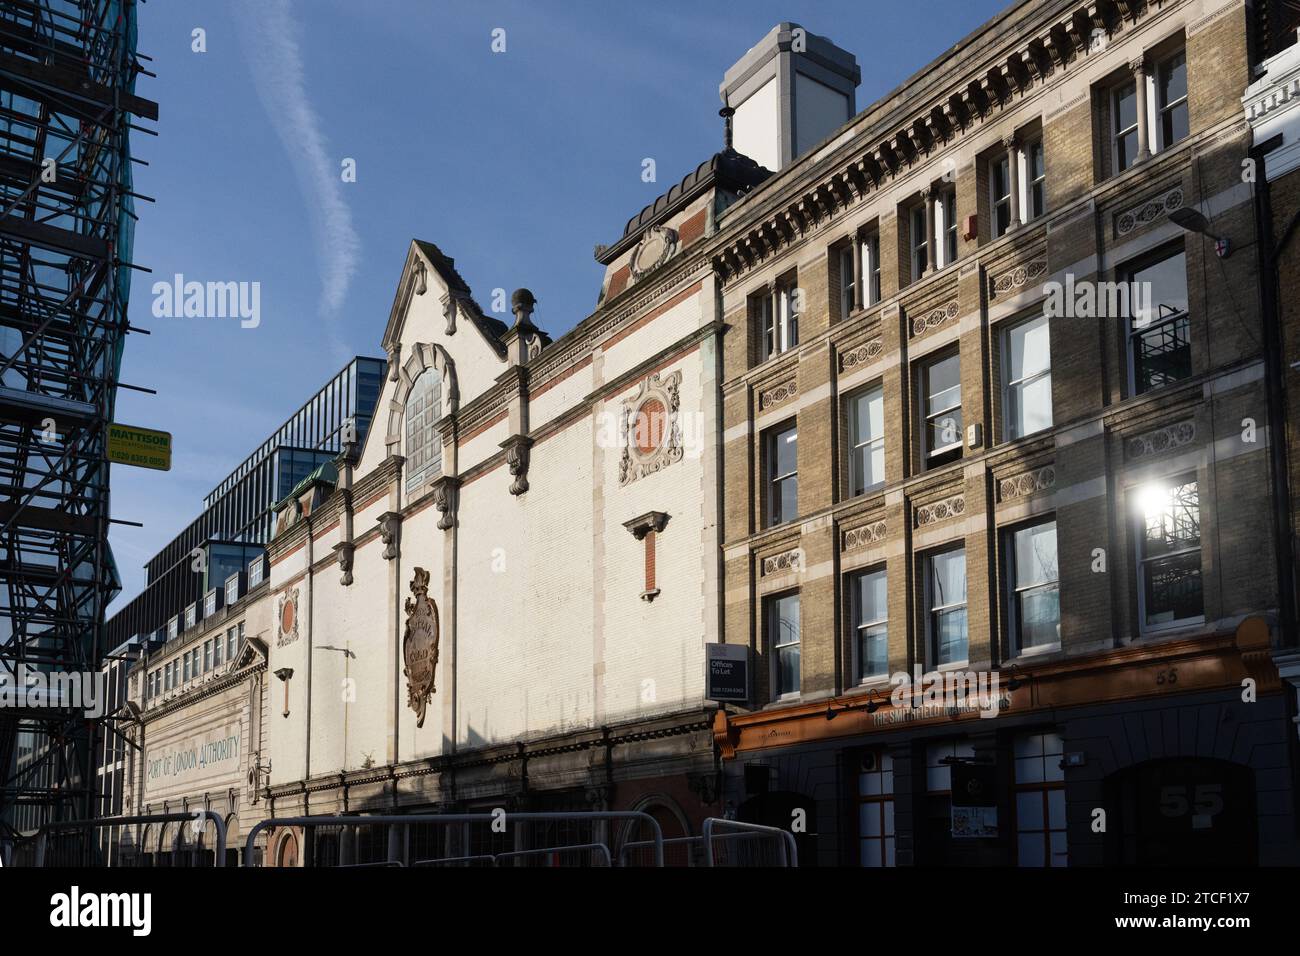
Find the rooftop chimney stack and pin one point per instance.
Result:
(788, 93)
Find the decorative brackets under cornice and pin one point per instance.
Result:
(390, 532)
(517, 449)
(446, 495)
(345, 550)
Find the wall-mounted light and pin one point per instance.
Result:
(1018, 680)
(1189, 219)
(872, 706)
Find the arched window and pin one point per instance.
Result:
(423, 445)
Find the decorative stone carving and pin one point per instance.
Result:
(864, 353)
(1018, 278)
(777, 394)
(1162, 439)
(872, 533)
(934, 318)
(704, 786)
(1148, 211)
(345, 551)
(420, 646)
(657, 246)
(415, 284)
(937, 511)
(286, 616)
(1029, 483)
(517, 454)
(782, 563)
(390, 533)
(445, 493)
(652, 435)
(449, 305)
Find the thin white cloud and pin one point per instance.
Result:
(271, 41)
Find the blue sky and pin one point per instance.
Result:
(516, 164)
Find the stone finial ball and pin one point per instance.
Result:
(522, 299)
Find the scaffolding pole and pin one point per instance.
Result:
(67, 106)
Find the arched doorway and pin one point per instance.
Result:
(673, 824)
(1183, 811)
(783, 809)
(286, 851)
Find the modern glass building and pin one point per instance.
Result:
(237, 514)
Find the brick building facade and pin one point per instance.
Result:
(952, 446)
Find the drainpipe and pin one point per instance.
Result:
(1274, 374)
(307, 586)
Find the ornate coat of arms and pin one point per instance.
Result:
(287, 611)
(420, 646)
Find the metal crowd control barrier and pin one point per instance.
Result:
(43, 835)
(696, 855)
(790, 852)
(408, 820)
(482, 859)
(693, 845)
(598, 850)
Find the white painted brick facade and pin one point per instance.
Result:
(551, 633)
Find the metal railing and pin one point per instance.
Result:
(738, 844)
(49, 830)
(598, 849)
(751, 845)
(789, 851)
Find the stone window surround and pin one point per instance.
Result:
(925, 629)
(777, 295)
(767, 478)
(999, 339)
(1170, 474)
(1005, 539)
(769, 606)
(1141, 70)
(861, 246)
(1017, 149)
(1123, 272)
(920, 376)
(423, 356)
(853, 626)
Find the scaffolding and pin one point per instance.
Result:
(67, 106)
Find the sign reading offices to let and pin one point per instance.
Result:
(727, 672)
(142, 447)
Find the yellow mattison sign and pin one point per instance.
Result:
(142, 447)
